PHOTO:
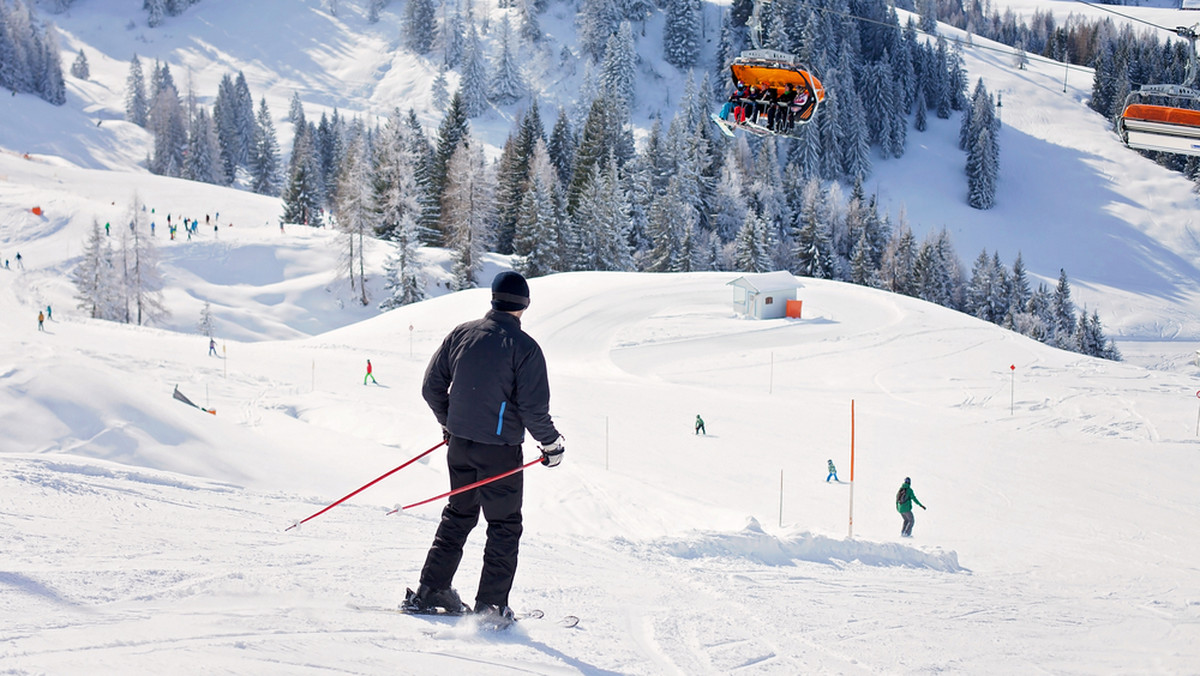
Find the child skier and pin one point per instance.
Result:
(832, 473)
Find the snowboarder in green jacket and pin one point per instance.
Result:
(700, 425)
(904, 502)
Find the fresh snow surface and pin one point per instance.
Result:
(143, 536)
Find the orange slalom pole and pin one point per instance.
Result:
(365, 487)
(463, 489)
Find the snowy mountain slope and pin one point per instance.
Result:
(1055, 536)
(145, 536)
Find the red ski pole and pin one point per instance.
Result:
(463, 489)
(365, 487)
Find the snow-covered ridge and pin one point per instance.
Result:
(757, 546)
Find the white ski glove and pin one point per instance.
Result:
(552, 453)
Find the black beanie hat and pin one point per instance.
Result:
(510, 292)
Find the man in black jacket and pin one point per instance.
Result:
(486, 385)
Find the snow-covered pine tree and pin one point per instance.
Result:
(395, 176)
(561, 147)
(419, 25)
(937, 277)
(730, 206)
(856, 163)
(155, 11)
(374, 7)
(598, 142)
(264, 157)
(535, 233)
(330, 148)
(1062, 314)
(981, 172)
(48, 77)
(474, 84)
(243, 120)
(296, 109)
(168, 125)
(403, 279)
(144, 281)
(681, 33)
(512, 174)
(920, 119)
(441, 95)
(1019, 285)
(93, 276)
(812, 246)
(619, 68)
(303, 193)
(752, 250)
(507, 83)
(137, 107)
(207, 324)
(224, 118)
(452, 133)
(528, 27)
(453, 34)
(595, 21)
(354, 208)
(602, 221)
(203, 160)
(79, 68)
(896, 272)
(467, 213)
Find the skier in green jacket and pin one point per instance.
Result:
(904, 502)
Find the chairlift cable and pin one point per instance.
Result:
(1008, 51)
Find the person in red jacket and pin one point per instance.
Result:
(369, 375)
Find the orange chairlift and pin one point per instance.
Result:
(1163, 117)
(766, 69)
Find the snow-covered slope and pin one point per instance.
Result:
(1058, 534)
(144, 536)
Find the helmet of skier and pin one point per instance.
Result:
(907, 480)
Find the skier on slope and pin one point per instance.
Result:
(369, 374)
(904, 502)
(486, 385)
(700, 425)
(832, 473)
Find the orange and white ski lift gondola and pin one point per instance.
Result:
(770, 69)
(1164, 117)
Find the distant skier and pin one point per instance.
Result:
(49, 314)
(700, 425)
(212, 347)
(369, 375)
(904, 502)
(41, 318)
(832, 473)
(19, 263)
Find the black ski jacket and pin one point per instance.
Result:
(487, 383)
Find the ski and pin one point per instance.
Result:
(724, 125)
(566, 621)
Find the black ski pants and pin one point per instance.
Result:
(500, 501)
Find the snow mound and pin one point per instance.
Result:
(753, 544)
